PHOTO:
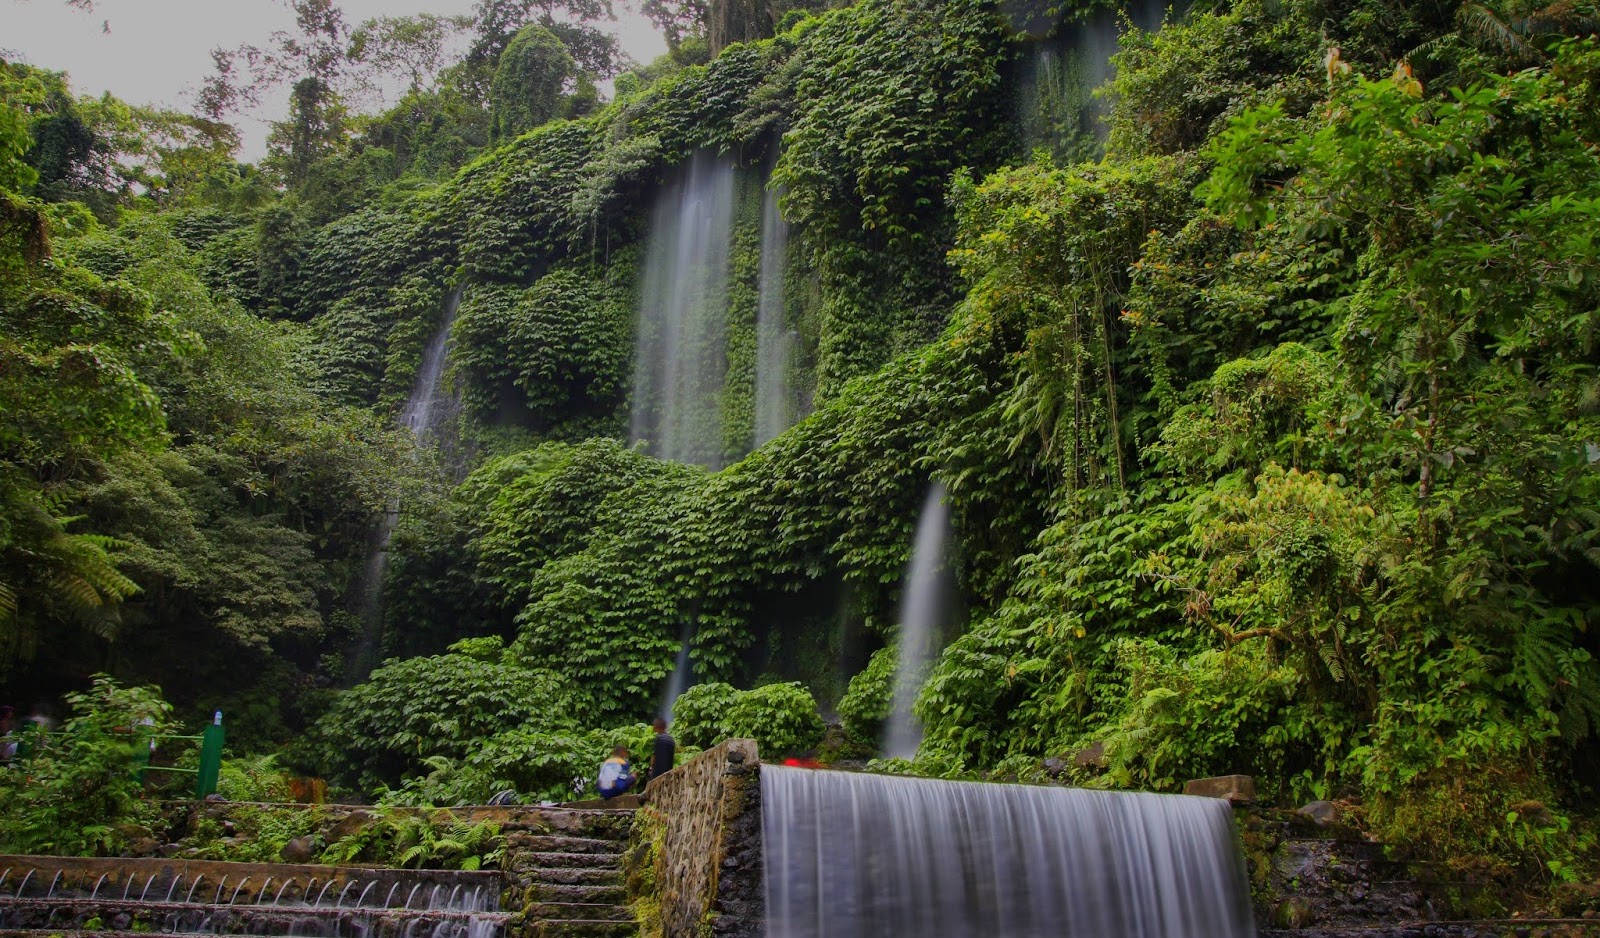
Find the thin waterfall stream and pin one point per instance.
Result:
(923, 606)
(681, 357)
(430, 406)
(426, 411)
(1057, 109)
(775, 409)
(682, 674)
(855, 855)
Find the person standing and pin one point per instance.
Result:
(665, 752)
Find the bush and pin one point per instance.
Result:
(866, 703)
(697, 713)
(78, 792)
(386, 729)
(781, 718)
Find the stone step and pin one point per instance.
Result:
(553, 892)
(572, 876)
(575, 911)
(535, 859)
(562, 843)
(580, 928)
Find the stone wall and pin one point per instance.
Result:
(695, 857)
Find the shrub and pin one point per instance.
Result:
(78, 792)
(781, 718)
(866, 703)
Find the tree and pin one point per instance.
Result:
(314, 58)
(414, 47)
(499, 21)
(678, 20)
(527, 88)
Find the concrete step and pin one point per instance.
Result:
(570, 876)
(575, 911)
(562, 843)
(611, 894)
(553, 859)
(553, 928)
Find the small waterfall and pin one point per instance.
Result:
(681, 358)
(682, 673)
(169, 899)
(922, 617)
(1056, 107)
(429, 406)
(425, 414)
(851, 855)
(775, 342)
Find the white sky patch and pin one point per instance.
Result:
(159, 51)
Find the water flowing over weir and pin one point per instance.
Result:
(775, 343)
(214, 898)
(681, 360)
(922, 618)
(851, 855)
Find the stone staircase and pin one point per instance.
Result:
(564, 876)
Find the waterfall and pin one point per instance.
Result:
(427, 408)
(922, 616)
(682, 673)
(1056, 107)
(681, 358)
(426, 413)
(775, 343)
(851, 855)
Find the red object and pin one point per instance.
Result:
(806, 763)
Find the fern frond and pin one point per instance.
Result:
(1482, 25)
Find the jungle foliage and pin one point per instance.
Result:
(1272, 437)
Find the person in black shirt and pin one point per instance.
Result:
(665, 753)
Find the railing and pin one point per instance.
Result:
(211, 740)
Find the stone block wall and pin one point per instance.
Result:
(695, 858)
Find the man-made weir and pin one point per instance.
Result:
(197, 897)
(879, 856)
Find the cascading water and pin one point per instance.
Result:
(775, 342)
(682, 673)
(922, 616)
(681, 360)
(851, 855)
(429, 407)
(425, 414)
(448, 904)
(1056, 108)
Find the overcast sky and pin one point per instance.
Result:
(158, 51)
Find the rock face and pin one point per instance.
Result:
(696, 848)
(1318, 879)
(1323, 812)
(1238, 789)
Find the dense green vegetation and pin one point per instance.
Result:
(1272, 435)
